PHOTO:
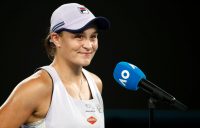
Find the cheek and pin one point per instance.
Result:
(95, 46)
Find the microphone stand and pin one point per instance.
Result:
(151, 106)
(158, 94)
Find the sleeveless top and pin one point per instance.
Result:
(68, 112)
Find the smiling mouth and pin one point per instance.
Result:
(86, 53)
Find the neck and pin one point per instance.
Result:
(67, 71)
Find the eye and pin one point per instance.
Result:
(94, 36)
(79, 36)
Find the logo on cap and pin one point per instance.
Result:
(83, 10)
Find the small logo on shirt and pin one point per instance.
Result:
(83, 10)
(92, 120)
(99, 108)
(89, 108)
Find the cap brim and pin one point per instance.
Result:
(102, 23)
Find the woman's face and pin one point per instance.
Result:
(78, 48)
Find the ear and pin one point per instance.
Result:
(55, 38)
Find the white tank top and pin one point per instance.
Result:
(68, 112)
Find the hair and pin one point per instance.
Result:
(49, 47)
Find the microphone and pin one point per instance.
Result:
(131, 77)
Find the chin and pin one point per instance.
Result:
(85, 63)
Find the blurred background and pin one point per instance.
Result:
(160, 37)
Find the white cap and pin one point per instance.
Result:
(74, 17)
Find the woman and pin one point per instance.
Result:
(62, 94)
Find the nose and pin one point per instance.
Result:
(87, 44)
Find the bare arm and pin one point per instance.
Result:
(23, 102)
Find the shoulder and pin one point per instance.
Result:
(26, 98)
(32, 89)
(38, 83)
(97, 80)
(38, 80)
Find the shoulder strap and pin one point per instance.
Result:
(92, 84)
